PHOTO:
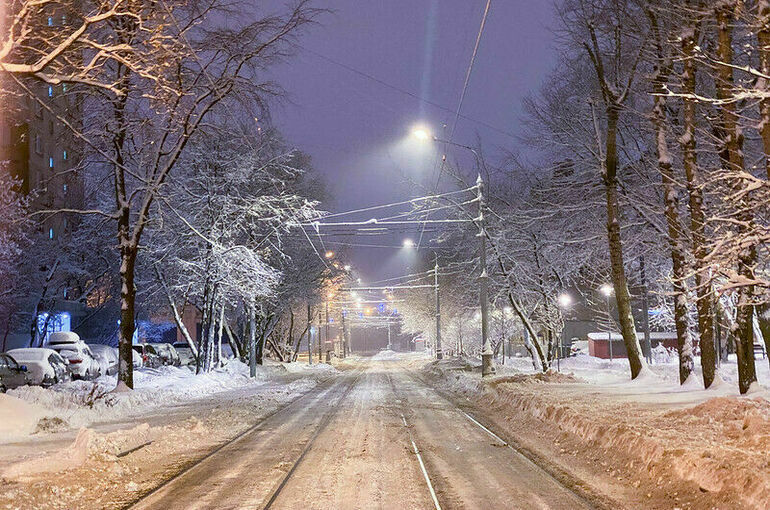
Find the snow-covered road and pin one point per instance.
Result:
(375, 437)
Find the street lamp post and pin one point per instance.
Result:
(487, 367)
(607, 291)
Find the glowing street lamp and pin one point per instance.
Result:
(408, 243)
(421, 133)
(565, 300)
(347, 267)
(608, 290)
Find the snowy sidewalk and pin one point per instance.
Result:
(130, 440)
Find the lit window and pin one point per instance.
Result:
(64, 87)
(63, 19)
(50, 21)
(50, 90)
(50, 162)
(50, 233)
(64, 155)
(65, 187)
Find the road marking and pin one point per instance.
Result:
(471, 418)
(422, 465)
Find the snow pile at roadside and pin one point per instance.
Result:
(18, 418)
(80, 403)
(304, 368)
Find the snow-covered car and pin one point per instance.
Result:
(107, 357)
(137, 359)
(12, 374)
(150, 357)
(44, 366)
(81, 361)
(186, 356)
(168, 354)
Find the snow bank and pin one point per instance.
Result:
(18, 418)
(652, 425)
(81, 403)
(68, 458)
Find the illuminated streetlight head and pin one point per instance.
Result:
(408, 243)
(330, 295)
(606, 289)
(421, 133)
(507, 309)
(565, 300)
(347, 267)
(329, 254)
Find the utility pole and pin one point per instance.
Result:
(326, 332)
(344, 336)
(486, 348)
(609, 322)
(645, 311)
(320, 343)
(439, 352)
(390, 343)
(252, 344)
(309, 335)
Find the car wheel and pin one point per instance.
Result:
(2, 388)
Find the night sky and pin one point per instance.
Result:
(357, 130)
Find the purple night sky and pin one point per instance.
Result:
(356, 129)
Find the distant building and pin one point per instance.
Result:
(42, 153)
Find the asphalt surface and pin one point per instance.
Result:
(373, 437)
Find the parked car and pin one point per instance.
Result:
(82, 363)
(168, 354)
(150, 357)
(107, 357)
(44, 366)
(12, 375)
(137, 359)
(186, 356)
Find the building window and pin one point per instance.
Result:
(50, 127)
(38, 144)
(63, 19)
(50, 162)
(50, 21)
(64, 155)
(64, 87)
(50, 90)
(64, 187)
(51, 233)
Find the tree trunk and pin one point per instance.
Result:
(233, 343)
(743, 328)
(675, 241)
(128, 255)
(175, 312)
(688, 142)
(623, 297)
